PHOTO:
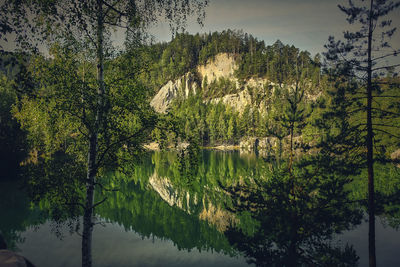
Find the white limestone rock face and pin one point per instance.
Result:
(237, 101)
(164, 97)
(395, 155)
(183, 86)
(223, 66)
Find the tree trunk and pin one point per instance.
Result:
(370, 160)
(92, 154)
(88, 213)
(291, 149)
(292, 257)
(279, 150)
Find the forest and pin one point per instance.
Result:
(309, 142)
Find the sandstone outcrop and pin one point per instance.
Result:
(222, 66)
(184, 86)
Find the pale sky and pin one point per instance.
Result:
(305, 24)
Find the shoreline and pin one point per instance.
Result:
(155, 147)
(222, 147)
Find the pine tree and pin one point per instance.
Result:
(365, 58)
(232, 130)
(294, 116)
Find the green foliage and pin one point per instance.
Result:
(203, 123)
(297, 213)
(17, 213)
(12, 139)
(212, 123)
(364, 62)
(137, 208)
(277, 62)
(60, 114)
(218, 88)
(56, 185)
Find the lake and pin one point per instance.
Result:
(207, 211)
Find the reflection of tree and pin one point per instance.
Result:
(146, 213)
(294, 218)
(276, 224)
(387, 195)
(16, 216)
(57, 185)
(133, 205)
(390, 210)
(195, 183)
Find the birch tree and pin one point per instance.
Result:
(89, 23)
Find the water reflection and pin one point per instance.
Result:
(294, 220)
(224, 203)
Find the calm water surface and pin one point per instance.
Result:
(170, 213)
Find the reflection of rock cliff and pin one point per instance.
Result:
(164, 187)
(217, 216)
(211, 213)
(395, 156)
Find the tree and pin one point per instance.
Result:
(59, 117)
(294, 116)
(88, 23)
(300, 226)
(365, 57)
(221, 126)
(232, 129)
(11, 136)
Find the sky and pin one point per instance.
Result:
(306, 24)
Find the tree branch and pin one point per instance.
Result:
(386, 67)
(387, 55)
(100, 202)
(385, 111)
(385, 125)
(101, 157)
(112, 7)
(383, 131)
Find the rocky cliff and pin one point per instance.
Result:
(181, 87)
(222, 66)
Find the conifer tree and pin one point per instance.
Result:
(366, 56)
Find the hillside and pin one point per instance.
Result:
(216, 82)
(228, 88)
(253, 58)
